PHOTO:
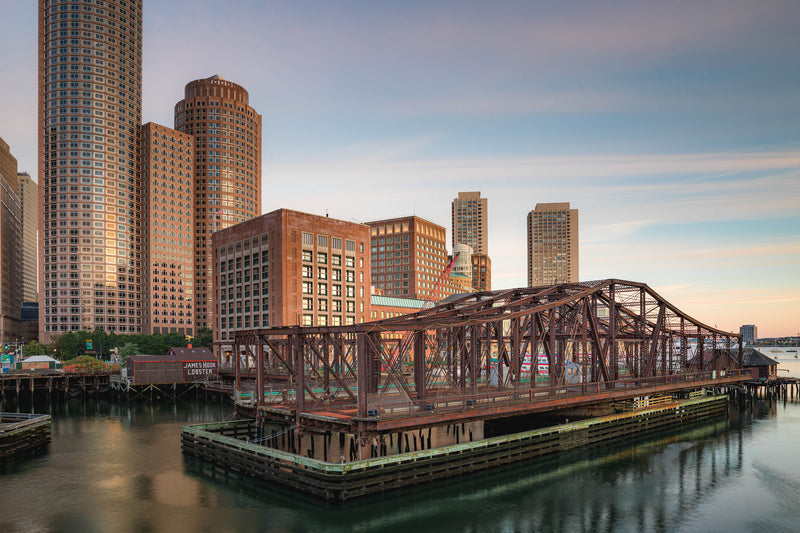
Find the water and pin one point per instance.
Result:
(113, 467)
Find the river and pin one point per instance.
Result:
(115, 467)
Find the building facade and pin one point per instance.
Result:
(167, 164)
(10, 249)
(289, 268)
(408, 256)
(28, 193)
(227, 171)
(470, 227)
(749, 333)
(90, 91)
(481, 272)
(552, 244)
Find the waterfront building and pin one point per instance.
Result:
(289, 268)
(227, 171)
(10, 249)
(552, 244)
(749, 333)
(408, 257)
(167, 164)
(90, 90)
(28, 194)
(481, 272)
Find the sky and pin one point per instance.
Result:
(673, 127)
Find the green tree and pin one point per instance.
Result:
(67, 344)
(34, 348)
(203, 338)
(125, 351)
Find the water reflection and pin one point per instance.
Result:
(118, 467)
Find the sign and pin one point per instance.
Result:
(5, 358)
(88, 344)
(196, 370)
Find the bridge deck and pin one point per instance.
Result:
(486, 404)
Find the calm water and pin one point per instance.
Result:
(113, 468)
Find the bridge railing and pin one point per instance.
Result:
(508, 396)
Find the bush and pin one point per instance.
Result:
(87, 363)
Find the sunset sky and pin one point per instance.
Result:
(674, 127)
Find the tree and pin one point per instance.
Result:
(203, 338)
(34, 348)
(67, 344)
(125, 351)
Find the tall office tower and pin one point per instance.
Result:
(28, 193)
(749, 333)
(10, 250)
(90, 93)
(552, 244)
(227, 171)
(167, 230)
(469, 222)
(288, 268)
(408, 257)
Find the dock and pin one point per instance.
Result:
(234, 446)
(21, 433)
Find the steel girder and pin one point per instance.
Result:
(598, 331)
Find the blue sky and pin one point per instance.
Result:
(674, 127)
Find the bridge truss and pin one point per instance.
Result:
(480, 347)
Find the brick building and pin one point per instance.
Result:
(481, 272)
(408, 257)
(227, 134)
(167, 230)
(552, 244)
(289, 268)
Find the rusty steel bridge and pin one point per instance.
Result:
(480, 356)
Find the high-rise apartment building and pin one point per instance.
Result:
(552, 244)
(90, 90)
(469, 222)
(227, 171)
(28, 193)
(10, 250)
(749, 333)
(408, 257)
(167, 164)
(289, 268)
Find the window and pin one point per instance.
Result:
(322, 258)
(308, 238)
(350, 262)
(322, 289)
(322, 272)
(336, 259)
(350, 276)
(336, 290)
(308, 304)
(322, 305)
(308, 271)
(350, 246)
(350, 291)
(308, 287)
(336, 242)
(307, 256)
(308, 320)
(322, 320)
(322, 240)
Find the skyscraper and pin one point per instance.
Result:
(10, 252)
(28, 193)
(227, 171)
(469, 222)
(552, 244)
(167, 231)
(749, 333)
(90, 90)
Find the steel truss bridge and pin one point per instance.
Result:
(482, 355)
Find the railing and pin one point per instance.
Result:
(455, 402)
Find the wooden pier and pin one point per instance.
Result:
(22, 433)
(53, 382)
(231, 446)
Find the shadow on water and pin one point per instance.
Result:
(582, 490)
